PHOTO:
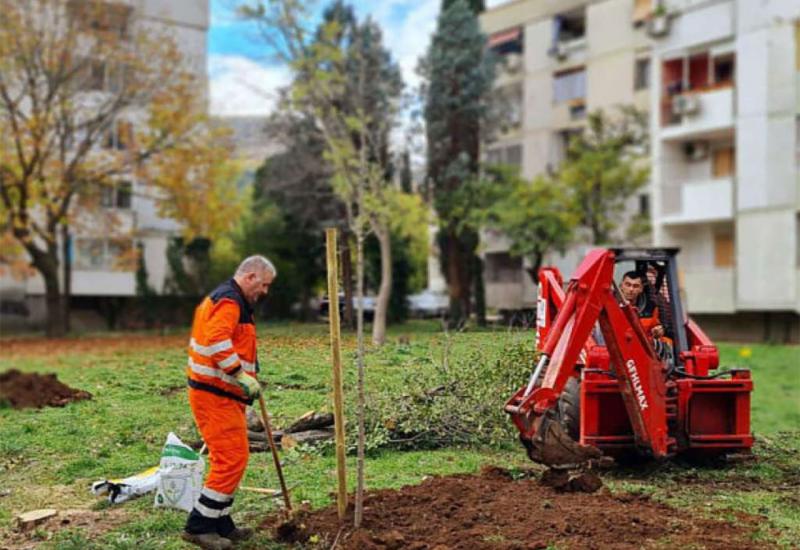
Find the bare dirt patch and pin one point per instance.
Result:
(32, 390)
(122, 342)
(92, 523)
(494, 510)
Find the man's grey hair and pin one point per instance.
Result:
(255, 263)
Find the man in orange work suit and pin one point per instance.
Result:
(222, 381)
(632, 289)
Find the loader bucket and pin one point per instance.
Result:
(552, 447)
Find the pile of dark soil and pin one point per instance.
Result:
(22, 390)
(494, 510)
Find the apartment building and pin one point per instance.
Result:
(562, 59)
(725, 125)
(130, 216)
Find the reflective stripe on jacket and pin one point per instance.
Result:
(223, 342)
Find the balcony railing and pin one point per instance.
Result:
(709, 290)
(697, 113)
(697, 201)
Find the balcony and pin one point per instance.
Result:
(710, 290)
(697, 114)
(697, 202)
(103, 283)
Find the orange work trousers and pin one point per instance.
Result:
(223, 425)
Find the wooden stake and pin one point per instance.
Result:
(338, 391)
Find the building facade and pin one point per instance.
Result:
(561, 60)
(725, 187)
(721, 81)
(129, 219)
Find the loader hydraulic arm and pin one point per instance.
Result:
(592, 297)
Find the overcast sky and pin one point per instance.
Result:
(243, 77)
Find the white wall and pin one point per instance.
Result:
(766, 242)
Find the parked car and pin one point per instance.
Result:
(428, 303)
(369, 306)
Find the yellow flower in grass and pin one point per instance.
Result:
(745, 353)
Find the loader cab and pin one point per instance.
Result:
(661, 288)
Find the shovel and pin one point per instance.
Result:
(268, 430)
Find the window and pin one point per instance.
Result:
(501, 267)
(511, 155)
(724, 253)
(94, 16)
(98, 75)
(119, 136)
(724, 67)
(723, 163)
(510, 104)
(577, 109)
(494, 156)
(124, 194)
(89, 254)
(117, 195)
(569, 26)
(96, 80)
(644, 205)
(514, 155)
(103, 254)
(560, 147)
(569, 85)
(641, 78)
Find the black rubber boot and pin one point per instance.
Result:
(207, 541)
(240, 534)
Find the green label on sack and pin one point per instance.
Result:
(180, 452)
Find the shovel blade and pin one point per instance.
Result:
(552, 447)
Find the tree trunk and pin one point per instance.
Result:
(359, 504)
(480, 291)
(55, 318)
(385, 290)
(347, 281)
(458, 280)
(66, 243)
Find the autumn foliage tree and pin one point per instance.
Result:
(90, 94)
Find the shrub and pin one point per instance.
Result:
(453, 403)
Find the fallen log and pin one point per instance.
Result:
(262, 436)
(308, 437)
(260, 446)
(312, 420)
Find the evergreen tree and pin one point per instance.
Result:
(459, 73)
(406, 177)
(477, 6)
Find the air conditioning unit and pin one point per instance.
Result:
(559, 51)
(696, 150)
(685, 104)
(513, 62)
(658, 26)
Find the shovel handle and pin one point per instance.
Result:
(265, 421)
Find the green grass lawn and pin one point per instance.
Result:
(50, 457)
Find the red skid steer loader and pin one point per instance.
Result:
(603, 386)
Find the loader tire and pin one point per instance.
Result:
(569, 408)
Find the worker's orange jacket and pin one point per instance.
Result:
(649, 319)
(223, 342)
